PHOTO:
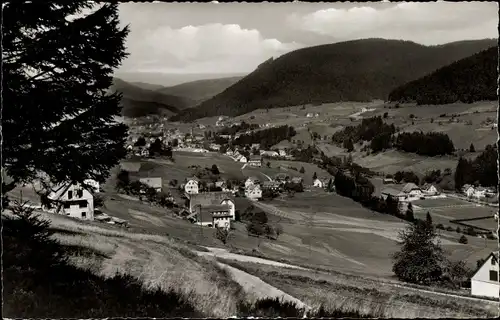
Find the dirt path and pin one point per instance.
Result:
(259, 288)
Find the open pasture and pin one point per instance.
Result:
(309, 169)
(440, 202)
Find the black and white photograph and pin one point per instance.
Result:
(225, 159)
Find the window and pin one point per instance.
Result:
(79, 193)
(84, 214)
(493, 275)
(493, 262)
(66, 205)
(70, 194)
(83, 204)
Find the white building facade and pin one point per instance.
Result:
(485, 281)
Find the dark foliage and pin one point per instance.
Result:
(266, 137)
(157, 148)
(333, 72)
(471, 79)
(406, 176)
(243, 126)
(420, 259)
(38, 281)
(367, 130)
(483, 170)
(427, 144)
(463, 239)
(57, 118)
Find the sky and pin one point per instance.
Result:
(233, 38)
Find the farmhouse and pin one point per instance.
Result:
(250, 181)
(243, 159)
(281, 177)
(253, 192)
(154, 183)
(479, 193)
(317, 183)
(412, 191)
(214, 216)
(297, 180)
(255, 146)
(255, 161)
(73, 200)
(430, 189)
(282, 153)
(394, 193)
(212, 198)
(270, 185)
(192, 185)
(485, 281)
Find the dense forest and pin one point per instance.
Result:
(358, 70)
(266, 137)
(471, 79)
(370, 129)
(426, 144)
(243, 126)
(481, 171)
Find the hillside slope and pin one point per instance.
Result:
(358, 70)
(138, 102)
(200, 90)
(468, 80)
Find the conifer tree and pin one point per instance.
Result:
(58, 118)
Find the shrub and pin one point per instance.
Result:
(463, 239)
(458, 230)
(440, 226)
(449, 228)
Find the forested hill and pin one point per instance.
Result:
(200, 90)
(358, 70)
(471, 79)
(139, 102)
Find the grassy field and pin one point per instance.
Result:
(158, 261)
(367, 296)
(284, 166)
(440, 202)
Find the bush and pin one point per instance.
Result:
(449, 228)
(440, 226)
(463, 240)
(458, 230)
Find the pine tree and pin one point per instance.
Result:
(471, 148)
(315, 176)
(428, 218)
(409, 213)
(421, 257)
(57, 67)
(462, 173)
(302, 170)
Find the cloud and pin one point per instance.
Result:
(426, 23)
(226, 48)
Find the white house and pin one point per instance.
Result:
(154, 183)
(479, 193)
(73, 200)
(282, 153)
(485, 281)
(318, 183)
(468, 190)
(212, 198)
(255, 161)
(253, 192)
(412, 191)
(192, 185)
(269, 153)
(214, 216)
(430, 189)
(243, 159)
(250, 181)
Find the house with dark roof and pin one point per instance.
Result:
(73, 200)
(205, 199)
(214, 216)
(485, 281)
(255, 161)
(394, 193)
(154, 183)
(253, 192)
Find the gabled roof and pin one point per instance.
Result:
(60, 189)
(152, 182)
(193, 179)
(409, 187)
(210, 198)
(494, 255)
(255, 158)
(391, 191)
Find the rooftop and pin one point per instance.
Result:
(152, 182)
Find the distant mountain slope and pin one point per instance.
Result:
(471, 79)
(357, 70)
(201, 90)
(139, 102)
(147, 86)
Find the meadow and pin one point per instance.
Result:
(381, 299)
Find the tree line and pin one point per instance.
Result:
(267, 137)
(427, 144)
(481, 171)
(243, 126)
